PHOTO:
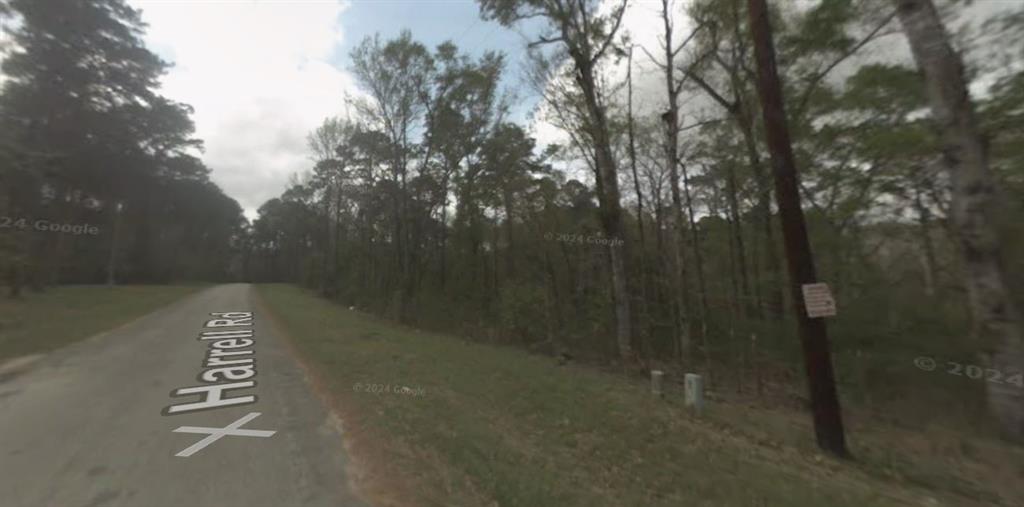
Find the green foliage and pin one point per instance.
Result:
(450, 217)
(524, 313)
(85, 134)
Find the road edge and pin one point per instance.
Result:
(17, 366)
(355, 476)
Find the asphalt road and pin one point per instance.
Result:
(83, 427)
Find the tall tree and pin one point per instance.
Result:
(996, 318)
(394, 74)
(88, 134)
(585, 36)
(671, 123)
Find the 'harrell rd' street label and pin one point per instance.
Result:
(227, 369)
(230, 366)
(818, 300)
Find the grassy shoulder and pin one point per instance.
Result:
(497, 426)
(41, 322)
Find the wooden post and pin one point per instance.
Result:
(695, 392)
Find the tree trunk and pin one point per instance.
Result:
(671, 118)
(773, 299)
(737, 238)
(444, 231)
(115, 225)
(996, 319)
(928, 262)
(611, 211)
(325, 264)
(736, 304)
(510, 265)
(644, 312)
(698, 258)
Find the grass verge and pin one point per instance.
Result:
(41, 322)
(495, 426)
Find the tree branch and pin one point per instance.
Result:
(611, 35)
(653, 60)
(729, 106)
(545, 40)
(816, 79)
(687, 40)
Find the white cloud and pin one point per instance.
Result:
(644, 25)
(258, 77)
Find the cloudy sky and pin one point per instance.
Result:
(262, 74)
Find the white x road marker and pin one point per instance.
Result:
(216, 433)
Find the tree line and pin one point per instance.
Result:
(427, 204)
(85, 139)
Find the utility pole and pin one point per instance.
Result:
(828, 420)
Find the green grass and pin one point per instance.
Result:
(41, 322)
(498, 426)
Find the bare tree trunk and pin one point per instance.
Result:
(10, 248)
(698, 258)
(325, 265)
(632, 151)
(644, 312)
(115, 226)
(737, 237)
(773, 299)
(611, 211)
(495, 264)
(335, 241)
(996, 318)
(444, 231)
(928, 263)
(671, 119)
(65, 209)
(510, 264)
(736, 302)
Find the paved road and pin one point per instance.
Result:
(84, 427)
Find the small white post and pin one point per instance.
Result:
(695, 392)
(656, 383)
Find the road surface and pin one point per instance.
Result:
(84, 427)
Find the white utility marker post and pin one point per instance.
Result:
(657, 376)
(695, 392)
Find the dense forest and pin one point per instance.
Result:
(87, 142)
(653, 237)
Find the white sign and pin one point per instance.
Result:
(818, 300)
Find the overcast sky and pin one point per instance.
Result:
(262, 74)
